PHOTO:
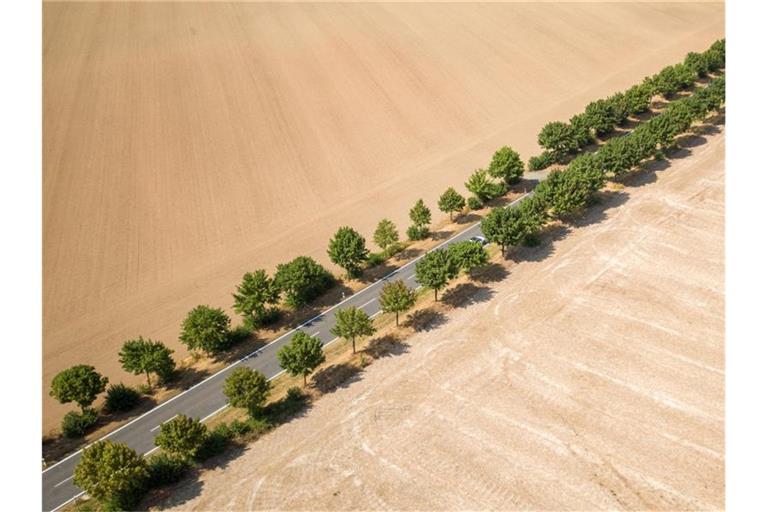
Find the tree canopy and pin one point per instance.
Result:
(302, 355)
(302, 280)
(480, 185)
(253, 297)
(147, 357)
(347, 250)
(450, 202)
(506, 165)
(385, 234)
(352, 323)
(396, 297)
(436, 269)
(80, 384)
(182, 436)
(421, 216)
(247, 389)
(207, 329)
(468, 255)
(113, 474)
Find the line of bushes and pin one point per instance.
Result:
(601, 117)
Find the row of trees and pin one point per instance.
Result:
(564, 192)
(601, 117)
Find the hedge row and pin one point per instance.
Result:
(601, 117)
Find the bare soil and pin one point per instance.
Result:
(187, 143)
(590, 377)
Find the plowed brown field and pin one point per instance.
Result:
(186, 143)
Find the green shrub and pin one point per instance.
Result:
(165, 469)
(294, 394)
(216, 442)
(376, 258)
(542, 161)
(496, 190)
(121, 398)
(417, 232)
(77, 424)
(241, 333)
(474, 203)
(239, 428)
(394, 249)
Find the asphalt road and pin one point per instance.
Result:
(206, 398)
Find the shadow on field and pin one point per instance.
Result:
(336, 376)
(407, 254)
(467, 294)
(468, 218)
(548, 236)
(641, 177)
(440, 235)
(386, 346)
(425, 320)
(492, 273)
(595, 213)
(375, 273)
(655, 165)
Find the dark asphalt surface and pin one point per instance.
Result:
(206, 398)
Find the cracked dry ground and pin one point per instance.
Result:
(590, 377)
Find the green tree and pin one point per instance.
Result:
(113, 474)
(505, 227)
(581, 130)
(253, 297)
(601, 116)
(352, 323)
(639, 98)
(506, 165)
(302, 280)
(146, 356)
(385, 234)
(80, 384)
(468, 255)
(436, 269)
(558, 137)
(715, 55)
(347, 250)
(247, 389)
(480, 185)
(698, 63)
(450, 202)
(421, 217)
(302, 355)
(182, 436)
(564, 192)
(207, 329)
(396, 297)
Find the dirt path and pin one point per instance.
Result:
(591, 377)
(187, 143)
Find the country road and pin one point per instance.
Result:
(206, 398)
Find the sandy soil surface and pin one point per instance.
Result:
(188, 143)
(590, 378)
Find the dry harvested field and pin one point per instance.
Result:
(187, 143)
(591, 377)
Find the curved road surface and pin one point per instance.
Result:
(206, 398)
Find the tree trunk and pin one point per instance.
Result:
(397, 318)
(149, 382)
(305, 380)
(450, 215)
(353, 346)
(435, 294)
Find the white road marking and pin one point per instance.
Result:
(313, 335)
(163, 423)
(65, 480)
(373, 299)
